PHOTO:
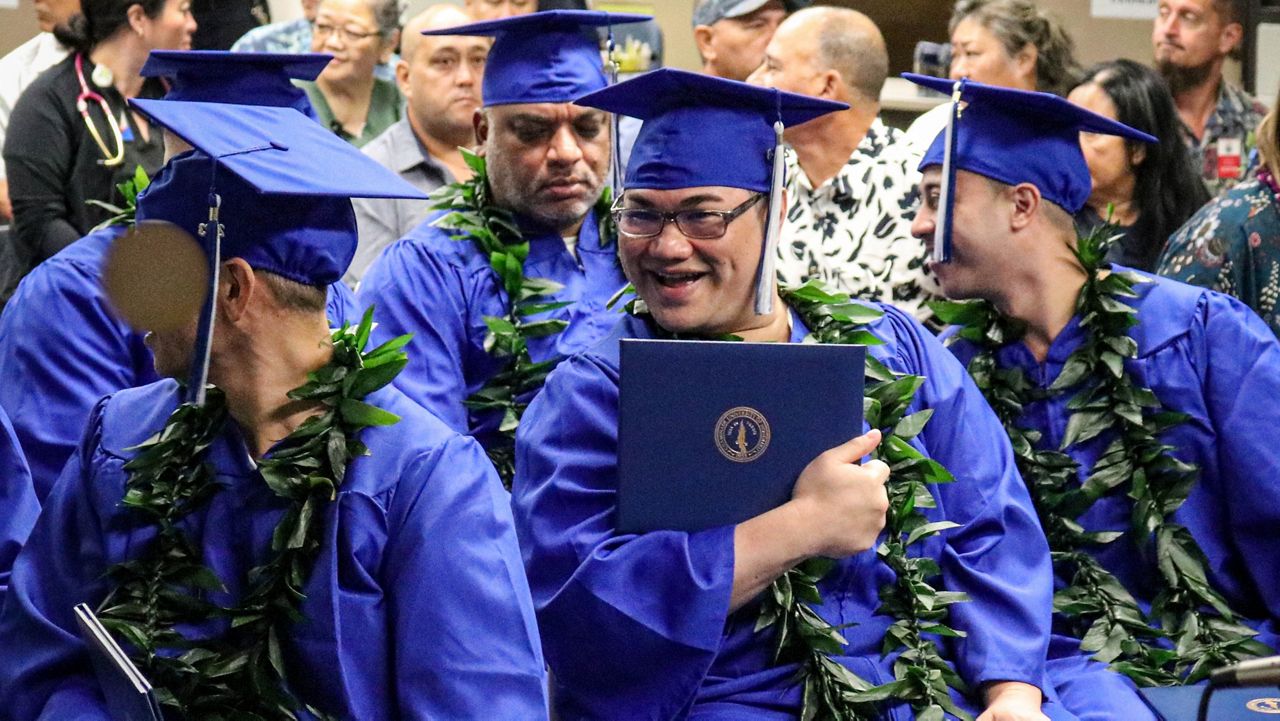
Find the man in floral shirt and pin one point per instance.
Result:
(851, 183)
(1192, 40)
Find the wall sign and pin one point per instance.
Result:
(1131, 9)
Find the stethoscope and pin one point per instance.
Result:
(83, 106)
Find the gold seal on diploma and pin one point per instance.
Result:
(1264, 705)
(742, 434)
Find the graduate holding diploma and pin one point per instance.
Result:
(749, 621)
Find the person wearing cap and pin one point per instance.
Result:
(546, 164)
(1075, 352)
(663, 624)
(731, 35)
(58, 333)
(852, 179)
(352, 555)
(18, 504)
(439, 76)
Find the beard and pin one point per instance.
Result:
(1182, 78)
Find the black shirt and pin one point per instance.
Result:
(55, 166)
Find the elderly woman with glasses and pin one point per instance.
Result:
(347, 97)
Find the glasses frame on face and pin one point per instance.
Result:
(680, 218)
(346, 34)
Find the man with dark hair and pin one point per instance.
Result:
(1140, 409)
(1192, 41)
(731, 35)
(517, 271)
(852, 180)
(296, 539)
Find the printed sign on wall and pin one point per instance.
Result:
(1132, 9)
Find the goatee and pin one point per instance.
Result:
(1182, 78)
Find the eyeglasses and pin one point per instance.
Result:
(697, 224)
(348, 35)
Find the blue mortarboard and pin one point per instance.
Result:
(1014, 136)
(265, 184)
(214, 76)
(700, 130)
(542, 57)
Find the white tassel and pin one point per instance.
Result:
(766, 278)
(942, 230)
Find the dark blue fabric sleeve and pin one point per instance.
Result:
(465, 637)
(59, 337)
(18, 505)
(414, 291)
(998, 555)
(45, 672)
(1239, 359)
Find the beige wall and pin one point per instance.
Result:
(17, 26)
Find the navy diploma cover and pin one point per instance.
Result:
(1180, 703)
(713, 433)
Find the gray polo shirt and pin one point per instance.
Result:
(382, 221)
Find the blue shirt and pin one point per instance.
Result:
(1208, 356)
(18, 505)
(59, 335)
(417, 605)
(435, 284)
(637, 626)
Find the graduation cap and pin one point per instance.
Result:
(701, 131)
(265, 184)
(1013, 136)
(542, 57)
(215, 76)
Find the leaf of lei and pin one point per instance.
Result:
(1191, 629)
(921, 676)
(495, 233)
(168, 585)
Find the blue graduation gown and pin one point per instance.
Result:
(435, 284)
(417, 607)
(59, 336)
(637, 626)
(1206, 355)
(18, 505)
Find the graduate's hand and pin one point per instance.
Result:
(1013, 701)
(845, 501)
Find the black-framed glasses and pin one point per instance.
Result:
(694, 223)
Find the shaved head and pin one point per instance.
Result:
(848, 42)
(436, 17)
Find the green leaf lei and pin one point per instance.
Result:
(920, 610)
(240, 673)
(1196, 630)
(129, 189)
(495, 233)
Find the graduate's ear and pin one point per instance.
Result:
(237, 285)
(480, 121)
(1027, 204)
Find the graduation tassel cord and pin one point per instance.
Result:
(1190, 629)
(168, 585)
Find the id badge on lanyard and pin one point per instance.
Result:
(1230, 157)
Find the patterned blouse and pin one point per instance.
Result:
(854, 231)
(1232, 245)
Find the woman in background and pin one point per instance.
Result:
(1232, 244)
(72, 137)
(1010, 43)
(347, 97)
(1146, 190)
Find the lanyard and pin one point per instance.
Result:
(82, 105)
